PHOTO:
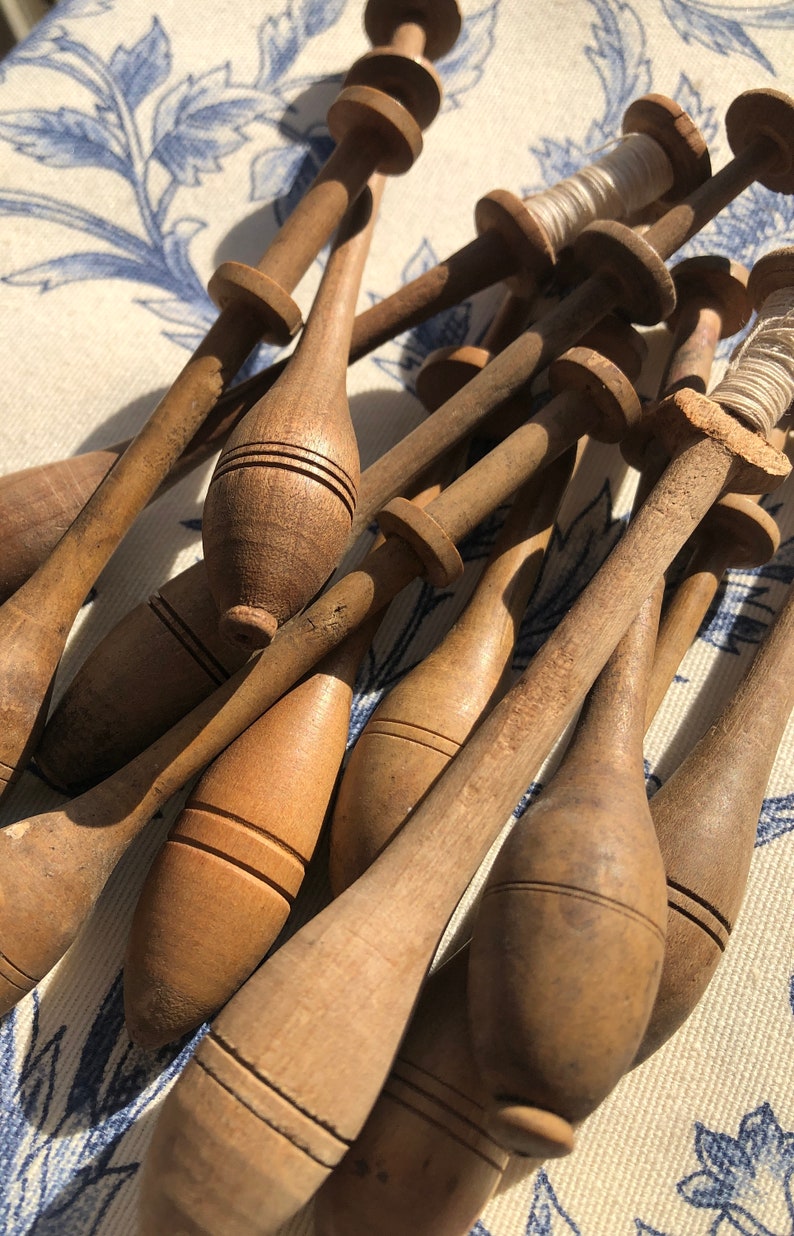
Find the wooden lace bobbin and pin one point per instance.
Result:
(735, 533)
(259, 574)
(166, 655)
(278, 510)
(216, 897)
(375, 132)
(629, 273)
(706, 816)
(55, 866)
(567, 946)
(424, 1162)
(423, 721)
(518, 240)
(386, 926)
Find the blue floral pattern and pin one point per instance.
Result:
(70, 1114)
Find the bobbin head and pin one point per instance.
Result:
(617, 339)
(645, 286)
(440, 19)
(504, 213)
(739, 522)
(445, 371)
(412, 80)
(363, 107)
(771, 273)
(717, 281)
(586, 371)
(679, 137)
(770, 114)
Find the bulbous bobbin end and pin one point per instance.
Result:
(247, 626)
(531, 1131)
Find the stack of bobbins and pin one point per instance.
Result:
(387, 924)
(178, 627)
(661, 150)
(375, 133)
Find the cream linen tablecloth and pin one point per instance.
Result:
(141, 144)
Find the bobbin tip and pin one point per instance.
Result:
(156, 1014)
(531, 1131)
(248, 626)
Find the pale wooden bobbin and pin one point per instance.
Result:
(374, 132)
(423, 721)
(263, 1060)
(425, 1162)
(219, 891)
(419, 543)
(222, 886)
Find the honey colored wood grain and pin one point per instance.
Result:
(278, 511)
(425, 1161)
(422, 723)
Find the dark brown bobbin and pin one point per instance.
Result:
(749, 534)
(440, 22)
(424, 1162)
(601, 383)
(646, 291)
(706, 817)
(431, 544)
(771, 273)
(717, 282)
(502, 214)
(235, 283)
(360, 109)
(161, 659)
(413, 81)
(668, 124)
(764, 114)
(617, 339)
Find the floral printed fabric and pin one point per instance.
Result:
(141, 145)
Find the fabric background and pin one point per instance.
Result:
(141, 144)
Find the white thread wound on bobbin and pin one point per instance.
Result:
(758, 385)
(633, 174)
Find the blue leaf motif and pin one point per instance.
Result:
(279, 45)
(464, 64)
(273, 170)
(547, 1217)
(705, 24)
(692, 102)
(746, 1179)
(175, 251)
(776, 819)
(79, 266)
(618, 56)
(140, 69)
(199, 121)
(318, 15)
(65, 138)
(82, 1206)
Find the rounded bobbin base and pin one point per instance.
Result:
(530, 1131)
